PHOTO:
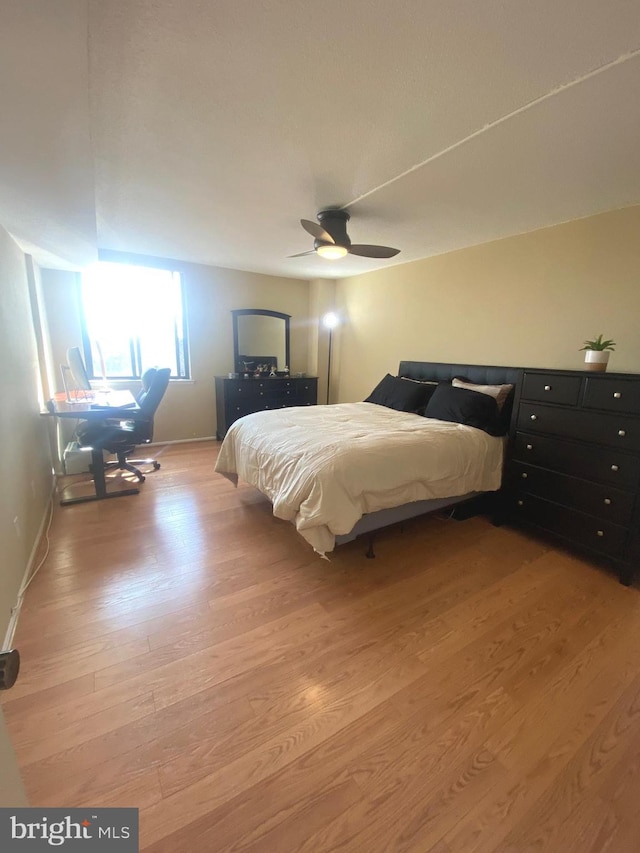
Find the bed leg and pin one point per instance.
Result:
(370, 552)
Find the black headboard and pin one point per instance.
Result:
(432, 371)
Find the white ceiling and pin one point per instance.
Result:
(204, 131)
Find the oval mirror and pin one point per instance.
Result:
(260, 338)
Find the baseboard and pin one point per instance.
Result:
(179, 441)
(15, 610)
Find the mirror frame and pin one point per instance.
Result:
(240, 312)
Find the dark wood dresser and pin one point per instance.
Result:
(574, 462)
(238, 397)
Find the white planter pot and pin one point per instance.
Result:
(596, 359)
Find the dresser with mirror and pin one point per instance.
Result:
(261, 380)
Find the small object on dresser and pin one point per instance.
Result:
(596, 353)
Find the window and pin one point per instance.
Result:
(133, 318)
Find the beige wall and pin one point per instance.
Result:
(188, 410)
(529, 300)
(25, 465)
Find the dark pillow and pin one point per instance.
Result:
(464, 407)
(395, 393)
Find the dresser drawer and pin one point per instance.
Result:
(617, 431)
(591, 463)
(593, 498)
(244, 388)
(273, 389)
(236, 398)
(614, 395)
(284, 395)
(294, 393)
(238, 409)
(550, 388)
(598, 535)
(306, 392)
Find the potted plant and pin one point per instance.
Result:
(596, 353)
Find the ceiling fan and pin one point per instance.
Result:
(332, 241)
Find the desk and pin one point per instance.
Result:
(95, 406)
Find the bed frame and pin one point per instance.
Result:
(429, 371)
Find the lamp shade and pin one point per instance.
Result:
(330, 320)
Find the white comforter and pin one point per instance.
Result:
(325, 466)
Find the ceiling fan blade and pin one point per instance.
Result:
(316, 231)
(302, 254)
(373, 251)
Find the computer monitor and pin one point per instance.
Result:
(78, 370)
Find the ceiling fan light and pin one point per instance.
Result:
(332, 252)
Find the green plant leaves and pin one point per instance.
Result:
(599, 345)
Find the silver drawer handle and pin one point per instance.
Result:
(547, 387)
(534, 417)
(529, 446)
(607, 501)
(617, 395)
(622, 433)
(520, 503)
(524, 475)
(615, 468)
(600, 532)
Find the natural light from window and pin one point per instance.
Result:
(133, 319)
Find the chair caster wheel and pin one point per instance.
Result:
(156, 466)
(142, 478)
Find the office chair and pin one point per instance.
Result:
(121, 437)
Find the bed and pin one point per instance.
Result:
(340, 471)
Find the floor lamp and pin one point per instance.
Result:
(329, 321)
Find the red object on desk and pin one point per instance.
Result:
(93, 405)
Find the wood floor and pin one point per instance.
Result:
(470, 689)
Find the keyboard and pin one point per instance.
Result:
(114, 406)
(113, 400)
